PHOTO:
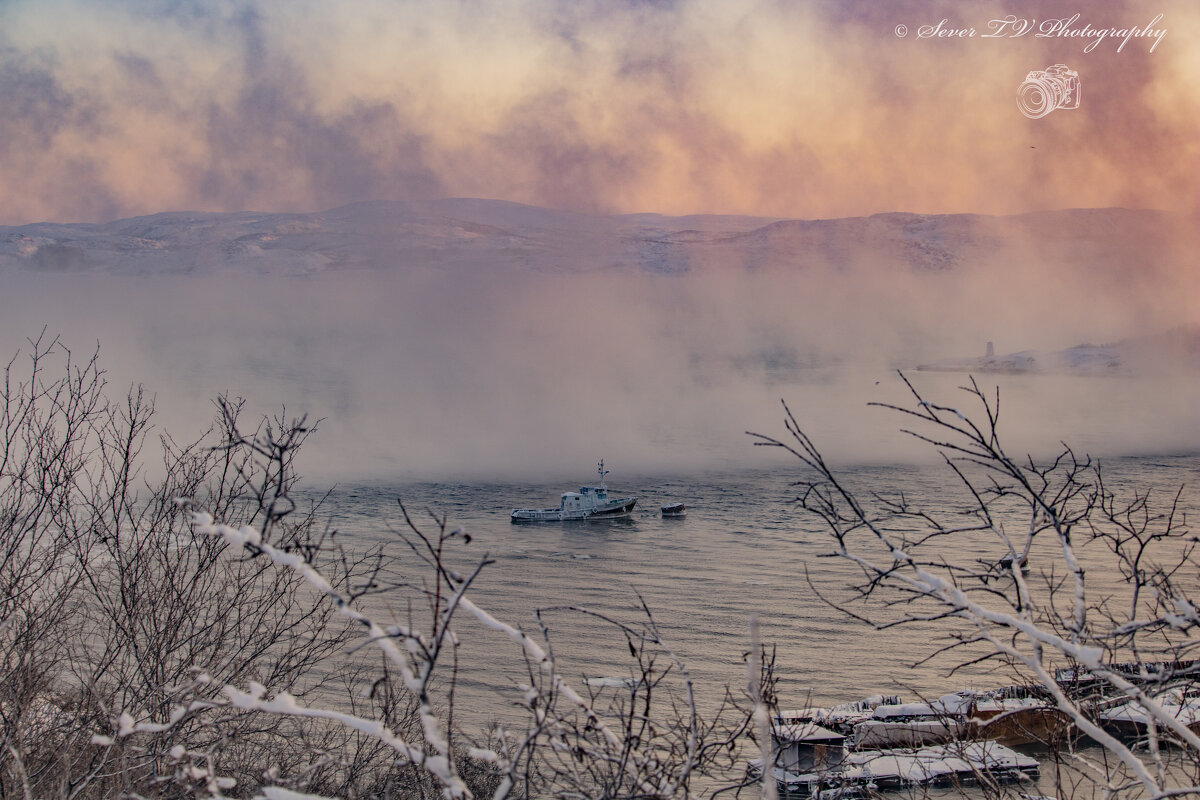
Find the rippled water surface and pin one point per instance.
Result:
(743, 550)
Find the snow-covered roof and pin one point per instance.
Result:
(805, 732)
(950, 704)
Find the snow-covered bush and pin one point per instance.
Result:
(1070, 586)
(182, 628)
(113, 609)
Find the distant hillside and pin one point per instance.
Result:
(487, 234)
(1165, 351)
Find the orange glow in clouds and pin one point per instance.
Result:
(783, 109)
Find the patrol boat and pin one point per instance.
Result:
(589, 503)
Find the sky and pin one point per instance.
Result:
(795, 108)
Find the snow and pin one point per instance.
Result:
(1184, 709)
(951, 704)
(919, 766)
(280, 793)
(806, 732)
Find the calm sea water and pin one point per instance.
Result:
(742, 551)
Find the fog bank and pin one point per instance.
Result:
(426, 373)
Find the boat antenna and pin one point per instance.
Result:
(600, 468)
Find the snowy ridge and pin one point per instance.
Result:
(489, 234)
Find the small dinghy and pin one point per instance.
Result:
(674, 511)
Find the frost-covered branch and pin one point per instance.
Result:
(1033, 607)
(227, 643)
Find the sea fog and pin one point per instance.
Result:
(420, 372)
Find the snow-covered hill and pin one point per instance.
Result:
(491, 234)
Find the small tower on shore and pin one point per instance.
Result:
(991, 351)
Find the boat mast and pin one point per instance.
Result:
(600, 468)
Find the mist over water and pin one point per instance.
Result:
(421, 372)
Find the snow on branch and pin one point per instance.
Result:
(1034, 607)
